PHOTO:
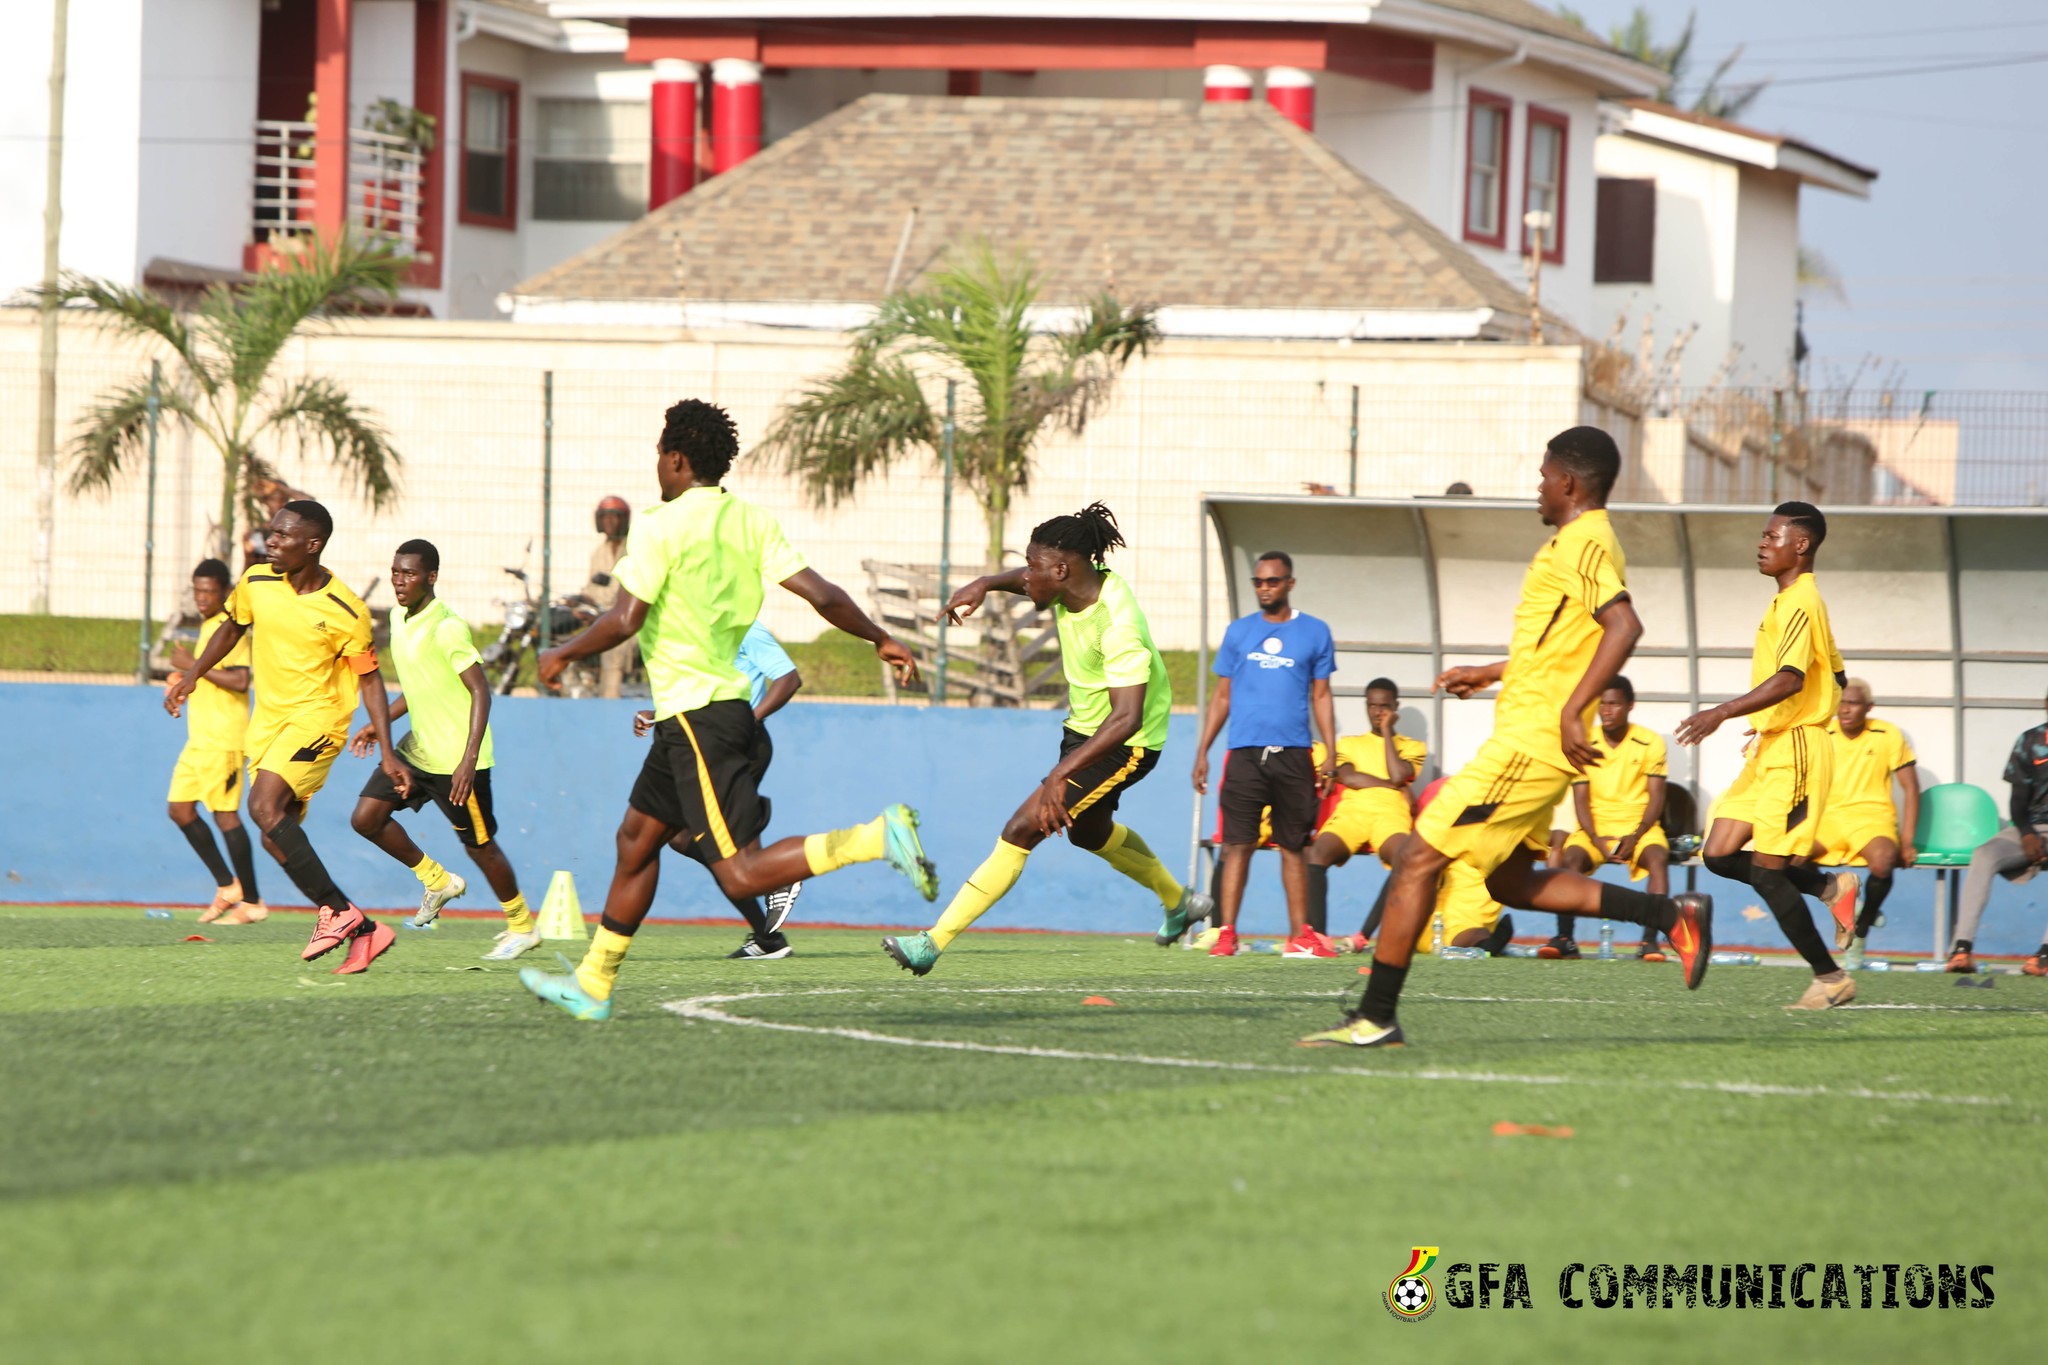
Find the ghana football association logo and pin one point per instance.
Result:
(1410, 1296)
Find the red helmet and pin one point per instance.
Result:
(619, 505)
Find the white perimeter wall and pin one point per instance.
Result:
(1766, 274)
(199, 60)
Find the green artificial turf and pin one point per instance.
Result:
(216, 1152)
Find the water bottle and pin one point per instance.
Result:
(1457, 954)
(1726, 959)
(1876, 965)
(1930, 966)
(1607, 940)
(157, 914)
(1518, 950)
(1436, 933)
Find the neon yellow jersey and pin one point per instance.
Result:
(430, 650)
(1864, 765)
(1110, 645)
(1795, 634)
(215, 717)
(1618, 787)
(303, 645)
(1578, 574)
(698, 563)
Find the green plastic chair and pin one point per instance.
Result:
(1955, 818)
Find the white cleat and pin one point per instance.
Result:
(509, 945)
(432, 901)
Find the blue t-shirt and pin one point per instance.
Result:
(1272, 667)
(762, 660)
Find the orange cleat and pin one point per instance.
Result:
(1693, 936)
(366, 948)
(225, 898)
(333, 928)
(1961, 962)
(1844, 898)
(2037, 965)
(248, 912)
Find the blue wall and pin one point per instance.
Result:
(82, 818)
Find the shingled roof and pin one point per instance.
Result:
(1189, 206)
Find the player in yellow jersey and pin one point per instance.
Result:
(1575, 627)
(209, 770)
(1861, 825)
(311, 654)
(1118, 704)
(1376, 770)
(1618, 804)
(1781, 795)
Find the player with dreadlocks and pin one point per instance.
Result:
(1118, 701)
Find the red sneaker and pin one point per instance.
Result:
(1225, 944)
(1693, 936)
(1308, 944)
(332, 929)
(366, 948)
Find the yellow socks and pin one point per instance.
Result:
(990, 882)
(518, 915)
(844, 847)
(432, 875)
(600, 966)
(1130, 855)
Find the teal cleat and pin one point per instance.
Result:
(906, 854)
(914, 953)
(565, 994)
(1192, 908)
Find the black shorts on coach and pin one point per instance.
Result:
(476, 824)
(1092, 792)
(1280, 780)
(703, 774)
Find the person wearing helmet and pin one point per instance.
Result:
(614, 517)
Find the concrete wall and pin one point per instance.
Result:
(198, 107)
(1766, 302)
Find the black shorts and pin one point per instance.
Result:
(1093, 791)
(476, 824)
(703, 774)
(1280, 780)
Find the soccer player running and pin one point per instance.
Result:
(1376, 770)
(1575, 627)
(447, 752)
(209, 770)
(1620, 806)
(1273, 672)
(310, 657)
(1860, 823)
(1118, 702)
(689, 587)
(1779, 798)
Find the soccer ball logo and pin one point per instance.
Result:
(1410, 1296)
(1272, 644)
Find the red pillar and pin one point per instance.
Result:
(1226, 84)
(735, 112)
(331, 38)
(430, 96)
(673, 169)
(1293, 92)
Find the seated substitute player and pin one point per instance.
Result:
(1620, 806)
(1575, 627)
(310, 657)
(1118, 702)
(1861, 825)
(772, 676)
(1376, 771)
(689, 586)
(209, 770)
(2015, 853)
(448, 752)
(1781, 796)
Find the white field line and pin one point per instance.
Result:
(705, 1009)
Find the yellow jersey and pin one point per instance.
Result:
(1573, 578)
(1618, 787)
(1864, 765)
(308, 647)
(1795, 634)
(215, 717)
(1368, 754)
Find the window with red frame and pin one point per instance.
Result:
(1543, 183)
(1486, 168)
(490, 151)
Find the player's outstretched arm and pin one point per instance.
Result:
(378, 703)
(1620, 628)
(780, 690)
(479, 689)
(1786, 682)
(837, 606)
(1465, 679)
(615, 627)
(366, 738)
(963, 603)
(225, 637)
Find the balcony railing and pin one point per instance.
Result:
(386, 184)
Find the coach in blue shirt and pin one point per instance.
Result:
(1273, 670)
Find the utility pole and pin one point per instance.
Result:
(46, 391)
(1538, 223)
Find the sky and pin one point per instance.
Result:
(1943, 266)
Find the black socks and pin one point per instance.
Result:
(242, 853)
(1567, 925)
(751, 911)
(1637, 907)
(304, 867)
(1875, 889)
(1789, 907)
(1371, 927)
(623, 931)
(1382, 992)
(1319, 898)
(201, 839)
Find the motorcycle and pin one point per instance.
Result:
(503, 657)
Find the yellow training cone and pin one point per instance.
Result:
(561, 914)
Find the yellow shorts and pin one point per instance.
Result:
(1782, 791)
(1636, 871)
(1364, 824)
(1497, 803)
(212, 777)
(1846, 831)
(300, 754)
(1464, 902)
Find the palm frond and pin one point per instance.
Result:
(850, 425)
(133, 312)
(116, 428)
(319, 412)
(321, 279)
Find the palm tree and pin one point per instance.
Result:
(970, 322)
(1635, 38)
(221, 358)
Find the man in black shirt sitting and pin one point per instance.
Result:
(2014, 853)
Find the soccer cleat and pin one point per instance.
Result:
(248, 912)
(1191, 909)
(1225, 944)
(508, 945)
(780, 902)
(1693, 936)
(761, 949)
(1826, 994)
(1205, 940)
(331, 929)
(366, 948)
(1852, 960)
(1560, 948)
(1649, 953)
(900, 845)
(1307, 944)
(1845, 900)
(1357, 1031)
(1359, 943)
(2037, 965)
(914, 953)
(565, 993)
(225, 898)
(432, 901)
(1962, 961)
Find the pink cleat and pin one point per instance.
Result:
(333, 928)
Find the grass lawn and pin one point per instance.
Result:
(218, 1152)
